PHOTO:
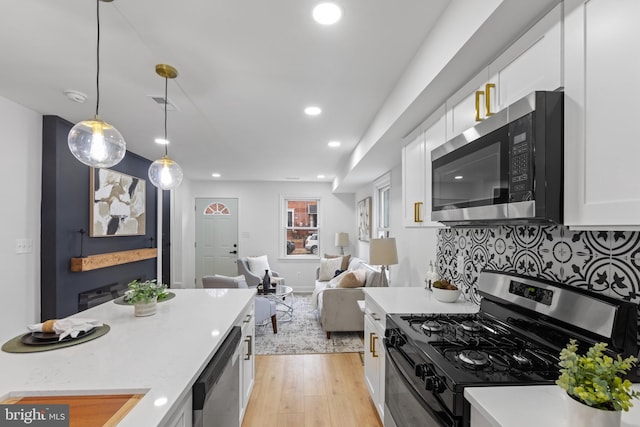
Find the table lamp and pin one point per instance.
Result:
(342, 240)
(383, 252)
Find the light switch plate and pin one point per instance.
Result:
(24, 246)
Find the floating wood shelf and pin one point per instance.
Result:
(93, 262)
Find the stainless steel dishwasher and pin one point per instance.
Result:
(216, 393)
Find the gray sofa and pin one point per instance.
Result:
(338, 307)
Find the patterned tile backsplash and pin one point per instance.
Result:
(607, 262)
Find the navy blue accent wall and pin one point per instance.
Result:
(65, 210)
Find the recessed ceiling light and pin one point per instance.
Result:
(312, 111)
(458, 177)
(320, 176)
(162, 141)
(334, 144)
(216, 175)
(327, 13)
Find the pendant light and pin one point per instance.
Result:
(164, 173)
(95, 142)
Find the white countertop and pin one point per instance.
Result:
(531, 406)
(416, 300)
(160, 355)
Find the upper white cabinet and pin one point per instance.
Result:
(602, 99)
(533, 62)
(416, 170)
(467, 106)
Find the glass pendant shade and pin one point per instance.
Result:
(96, 143)
(165, 174)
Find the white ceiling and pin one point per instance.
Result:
(247, 68)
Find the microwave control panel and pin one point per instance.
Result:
(521, 159)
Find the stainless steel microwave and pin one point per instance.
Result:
(507, 169)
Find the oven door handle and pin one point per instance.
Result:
(412, 388)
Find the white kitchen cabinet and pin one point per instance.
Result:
(602, 95)
(533, 62)
(183, 416)
(374, 355)
(461, 106)
(247, 358)
(416, 170)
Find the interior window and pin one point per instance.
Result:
(382, 205)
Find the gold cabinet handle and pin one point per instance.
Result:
(371, 335)
(479, 93)
(249, 351)
(487, 98)
(416, 212)
(247, 318)
(373, 344)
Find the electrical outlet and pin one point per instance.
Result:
(460, 265)
(24, 246)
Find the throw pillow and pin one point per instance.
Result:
(345, 260)
(258, 264)
(333, 283)
(353, 279)
(328, 268)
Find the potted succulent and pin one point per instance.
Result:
(144, 296)
(595, 386)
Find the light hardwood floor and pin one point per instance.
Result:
(319, 390)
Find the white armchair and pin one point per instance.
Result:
(264, 307)
(253, 279)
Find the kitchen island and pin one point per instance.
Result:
(159, 356)
(528, 406)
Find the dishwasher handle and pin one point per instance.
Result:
(215, 368)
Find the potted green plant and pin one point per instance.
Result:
(144, 296)
(595, 386)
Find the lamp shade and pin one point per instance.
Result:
(383, 252)
(342, 239)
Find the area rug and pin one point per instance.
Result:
(303, 335)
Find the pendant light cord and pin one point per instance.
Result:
(98, 58)
(166, 91)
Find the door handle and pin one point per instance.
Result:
(249, 352)
(416, 212)
(233, 252)
(487, 98)
(479, 93)
(373, 344)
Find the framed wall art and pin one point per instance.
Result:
(117, 203)
(364, 219)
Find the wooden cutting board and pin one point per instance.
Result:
(94, 410)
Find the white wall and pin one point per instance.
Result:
(21, 142)
(259, 224)
(416, 246)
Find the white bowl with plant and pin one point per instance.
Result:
(144, 295)
(596, 380)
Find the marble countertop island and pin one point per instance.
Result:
(159, 356)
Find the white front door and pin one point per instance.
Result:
(216, 238)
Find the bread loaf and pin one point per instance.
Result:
(48, 325)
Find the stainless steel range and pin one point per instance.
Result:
(514, 339)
